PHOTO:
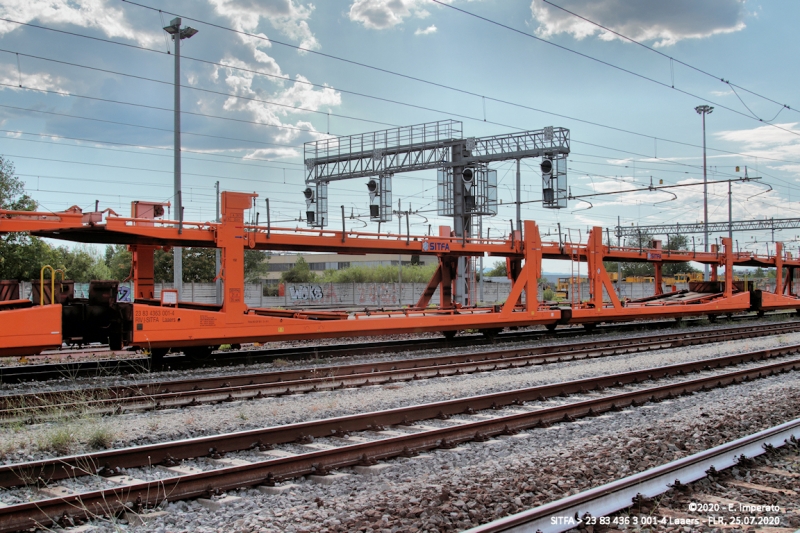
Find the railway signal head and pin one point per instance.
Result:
(547, 167)
(548, 194)
(310, 214)
(374, 189)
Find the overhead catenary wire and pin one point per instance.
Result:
(608, 64)
(135, 126)
(241, 160)
(673, 59)
(647, 136)
(477, 119)
(194, 88)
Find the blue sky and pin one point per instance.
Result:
(108, 135)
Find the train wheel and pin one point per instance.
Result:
(590, 326)
(198, 353)
(115, 336)
(157, 357)
(449, 335)
(490, 334)
(551, 327)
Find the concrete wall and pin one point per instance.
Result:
(355, 295)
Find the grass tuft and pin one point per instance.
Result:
(100, 438)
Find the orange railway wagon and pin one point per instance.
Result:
(28, 327)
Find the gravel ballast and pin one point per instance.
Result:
(446, 490)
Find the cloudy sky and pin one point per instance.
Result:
(86, 112)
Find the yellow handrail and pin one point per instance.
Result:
(52, 283)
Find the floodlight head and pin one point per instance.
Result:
(546, 166)
(188, 32)
(172, 30)
(707, 109)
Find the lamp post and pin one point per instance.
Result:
(178, 34)
(705, 110)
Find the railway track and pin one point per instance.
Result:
(452, 422)
(688, 503)
(139, 365)
(191, 392)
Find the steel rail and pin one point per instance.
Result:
(43, 372)
(618, 495)
(161, 395)
(49, 371)
(147, 494)
(112, 460)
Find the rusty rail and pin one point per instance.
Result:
(617, 495)
(108, 501)
(248, 386)
(67, 467)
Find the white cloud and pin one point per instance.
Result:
(763, 136)
(427, 31)
(384, 14)
(40, 80)
(666, 23)
(97, 14)
(721, 93)
(273, 153)
(284, 15)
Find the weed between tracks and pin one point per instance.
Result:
(64, 423)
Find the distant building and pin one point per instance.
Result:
(280, 263)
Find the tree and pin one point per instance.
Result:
(256, 264)
(199, 264)
(498, 270)
(118, 261)
(643, 240)
(81, 264)
(162, 266)
(299, 273)
(21, 256)
(677, 242)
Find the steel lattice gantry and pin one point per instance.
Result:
(714, 227)
(439, 145)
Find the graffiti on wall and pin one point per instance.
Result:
(377, 294)
(124, 294)
(306, 292)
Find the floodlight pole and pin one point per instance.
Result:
(705, 110)
(519, 199)
(178, 34)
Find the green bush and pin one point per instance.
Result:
(379, 274)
